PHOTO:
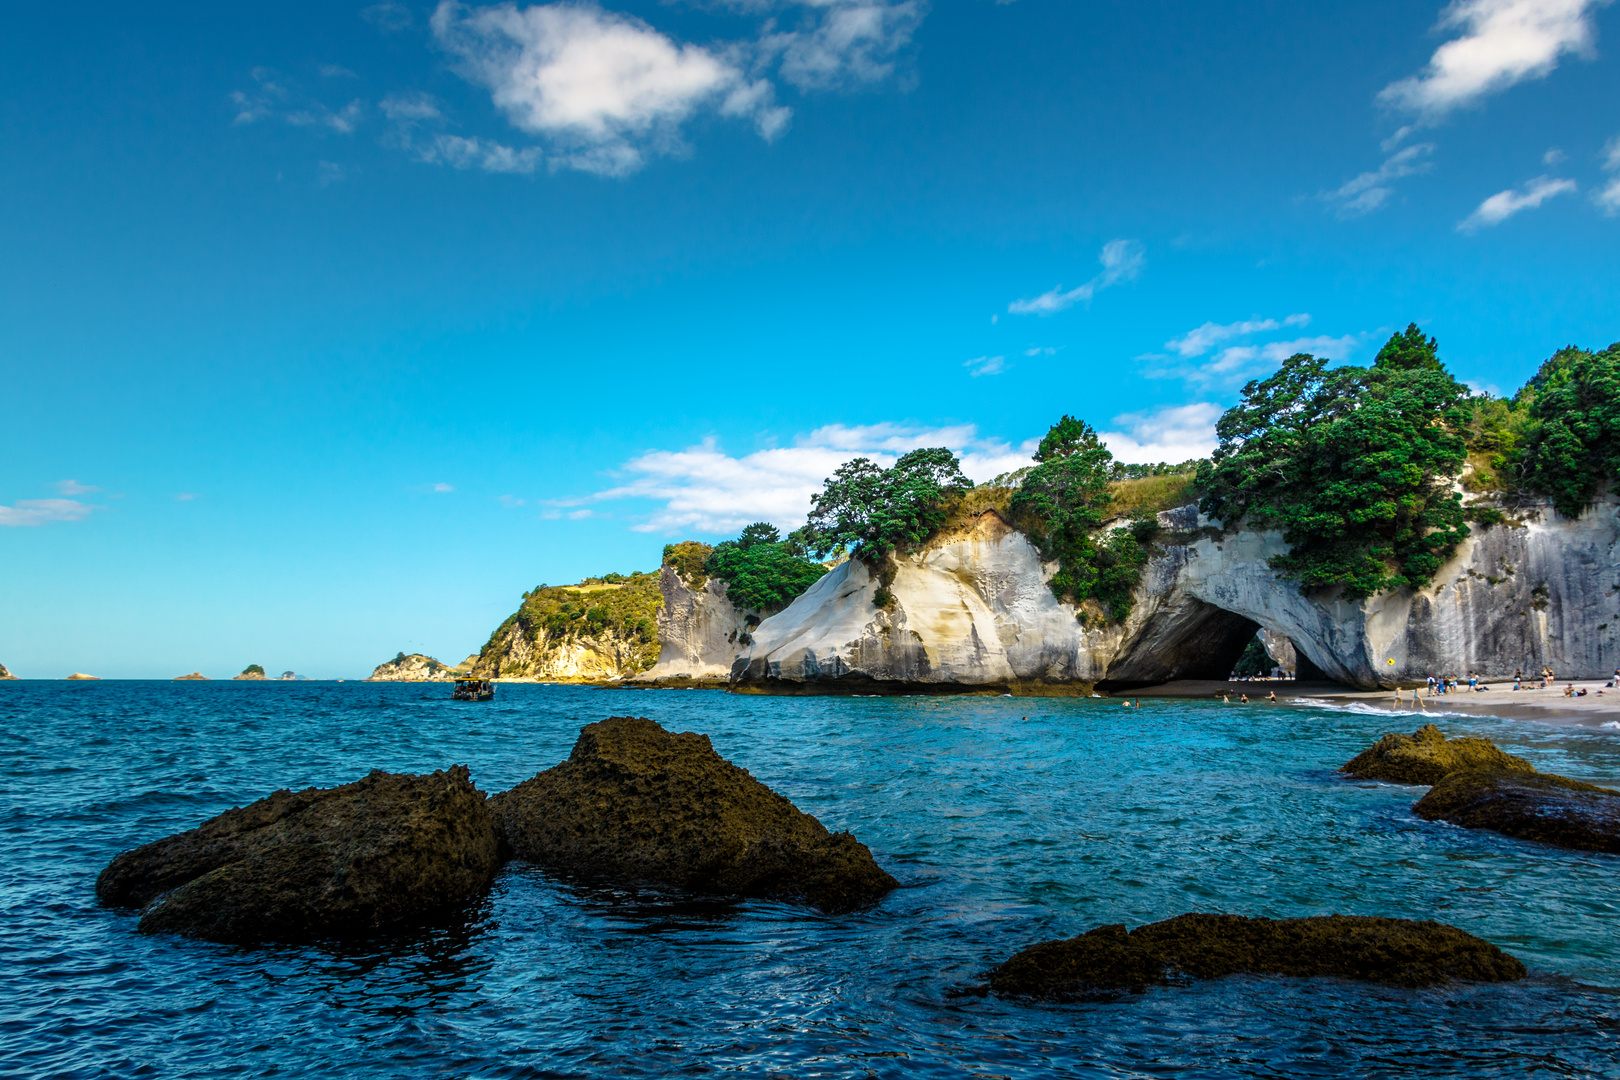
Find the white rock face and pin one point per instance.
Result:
(699, 631)
(597, 658)
(974, 611)
(412, 668)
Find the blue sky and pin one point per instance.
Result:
(328, 330)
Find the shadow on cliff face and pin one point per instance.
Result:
(1194, 641)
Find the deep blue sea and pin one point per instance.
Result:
(1010, 821)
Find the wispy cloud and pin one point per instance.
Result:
(1204, 338)
(276, 98)
(1170, 433)
(388, 16)
(703, 489)
(1502, 42)
(1608, 197)
(442, 487)
(1371, 190)
(44, 511)
(604, 90)
(839, 43)
(186, 496)
(1504, 204)
(73, 487)
(1236, 364)
(986, 365)
(1121, 260)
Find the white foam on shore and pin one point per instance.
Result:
(1367, 708)
(1613, 725)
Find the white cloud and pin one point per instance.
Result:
(1236, 364)
(843, 42)
(986, 365)
(442, 487)
(1200, 341)
(1040, 350)
(1122, 260)
(1367, 192)
(1504, 204)
(388, 15)
(702, 489)
(603, 89)
(335, 71)
(1554, 156)
(73, 487)
(1171, 433)
(1503, 42)
(1609, 196)
(44, 511)
(186, 496)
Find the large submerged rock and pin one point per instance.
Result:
(1426, 756)
(382, 851)
(635, 801)
(1109, 960)
(1528, 805)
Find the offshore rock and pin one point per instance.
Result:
(4, 674)
(1107, 961)
(1528, 805)
(386, 850)
(1426, 756)
(195, 676)
(635, 801)
(79, 675)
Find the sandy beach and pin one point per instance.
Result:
(1600, 706)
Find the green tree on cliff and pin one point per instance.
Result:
(875, 511)
(760, 570)
(1570, 443)
(1352, 464)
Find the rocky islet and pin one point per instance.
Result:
(1476, 785)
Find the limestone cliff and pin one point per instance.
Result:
(972, 611)
(700, 633)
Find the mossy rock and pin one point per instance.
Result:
(636, 802)
(1108, 961)
(1530, 806)
(1426, 755)
(353, 860)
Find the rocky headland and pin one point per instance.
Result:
(4, 674)
(251, 673)
(636, 802)
(1110, 960)
(1477, 786)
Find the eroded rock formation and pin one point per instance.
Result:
(382, 851)
(972, 611)
(637, 802)
(415, 667)
(700, 632)
(1109, 960)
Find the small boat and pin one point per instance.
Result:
(473, 690)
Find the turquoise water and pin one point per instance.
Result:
(1009, 821)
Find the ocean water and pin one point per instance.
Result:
(1009, 821)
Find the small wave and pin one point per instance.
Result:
(1612, 725)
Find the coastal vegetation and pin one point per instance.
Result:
(762, 571)
(626, 608)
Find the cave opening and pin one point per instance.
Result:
(1199, 641)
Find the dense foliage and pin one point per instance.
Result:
(1352, 464)
(761, 571)
(874, 511)
(1570, 441)
(1254, 661)
(1063, 501)
(253, 669)
(627, 610)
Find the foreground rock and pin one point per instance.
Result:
(635, 801)
(1108, 960)
(1530, 806)
(382, 851)
(1426, 756)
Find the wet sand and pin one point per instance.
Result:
(1548, 706)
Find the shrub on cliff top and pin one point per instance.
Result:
(760, 570)
(687, 559)
(1352, 464)
(875, 511)
(1571, 445)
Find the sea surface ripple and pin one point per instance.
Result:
(1010, 821)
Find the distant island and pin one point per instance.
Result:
(415, 667)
